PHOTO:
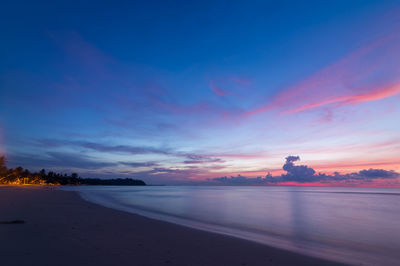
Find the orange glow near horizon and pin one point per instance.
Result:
(233, 107)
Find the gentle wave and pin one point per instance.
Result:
(344, 224)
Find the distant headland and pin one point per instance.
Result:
(20, 176)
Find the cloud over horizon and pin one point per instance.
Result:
(305, 174)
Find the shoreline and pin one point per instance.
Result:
(61, 228)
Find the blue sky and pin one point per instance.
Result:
(180, 91)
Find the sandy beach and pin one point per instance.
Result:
(60, 228)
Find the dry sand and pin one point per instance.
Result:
(62, 229)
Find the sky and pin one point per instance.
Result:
(182, 92)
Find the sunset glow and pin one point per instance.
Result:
(182, 101)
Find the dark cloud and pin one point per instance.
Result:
(378, 173)
(122, 148)
(202, 160)
(141, 164)
(368, 174)
(240, 180)
(105, 148)
(305, 174)
(57, 160)
(128, 149)
(297, 171)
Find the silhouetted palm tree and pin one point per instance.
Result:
(21, 176)
(3, 168)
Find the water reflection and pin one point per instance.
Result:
(352, 225)
(297, 208)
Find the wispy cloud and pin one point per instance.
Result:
(376, 94)
(204, 160)
(123, 148)
(354, 79)
(217, 90)
(192, 158)
(139, 164)
(242, 81)
(57, 160)
(129, 149)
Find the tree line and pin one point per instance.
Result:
(21, 176)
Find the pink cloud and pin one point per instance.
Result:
(377, 94)
(217, 90)
(375, 66)
(357, 165)
(229, 86)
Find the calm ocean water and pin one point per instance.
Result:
(352, 225)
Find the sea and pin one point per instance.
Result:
(359, 226)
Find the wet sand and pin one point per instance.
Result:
(47, 226)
